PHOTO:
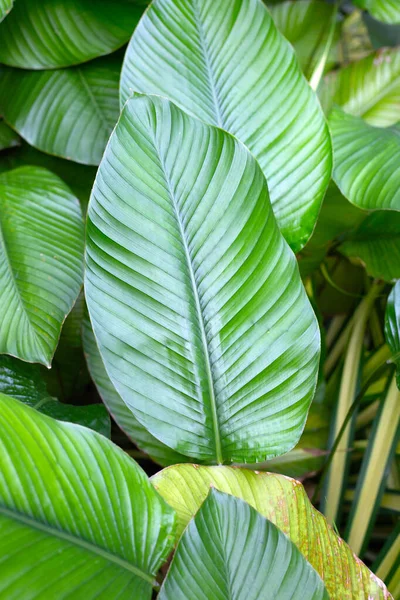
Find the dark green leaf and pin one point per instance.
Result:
(392, 327)
(8, 137)
(5, 7)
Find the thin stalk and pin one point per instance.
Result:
(319, 69)
(334, 329)
(382, 355)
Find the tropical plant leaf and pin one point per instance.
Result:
(392, 326)
(354, 42)
(284, 502)
(304, 25)
(376, 243)
(5, 7)
(122, 415)
(83, 101)
(381, 34)
(41, 258)
(367, 161)
(24, 382)
(8, 137)
(183, 252)
(46, 34)
(387, 11)
(255, 561)
(87, 509)
(209, 58)
(369, 88)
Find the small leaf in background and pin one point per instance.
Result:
(284, 502)
(376, 243)
(8, 137)
(41, 261)
(387, 11)
(122, 415)
(230, 551)
(369, 88)
(367, 161)
(212, 61)
(46, 34)
(94, 520)
(82, 101)
(354, 42)
(392, 326)
(183, 253)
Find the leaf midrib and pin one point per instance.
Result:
(68, 537)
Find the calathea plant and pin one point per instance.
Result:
(241, 161)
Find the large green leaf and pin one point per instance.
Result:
(305, 23)
(66, 112)
(367, 161)
(8, 137)
(369, 88)
(376, 243)
(226, 63)
(284, 502)
(195, 298)
(218, 559)
(46, 34)
(41, 260)
(117, 407)
(387, 11)
(5, 7)
(392, 326)
(78, 517)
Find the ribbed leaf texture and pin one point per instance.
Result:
(218, 558)
(5, 7)
(367, 161)
(284, 502)
(195, 299)
(125, 418)
(226, 63)
(392, 327)
(368, 88)
(78, 517)
(41, 261)
(67, 112)
(46, 34)
(387, 11)
(376, 243)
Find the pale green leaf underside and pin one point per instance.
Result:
(8, 137)
(387, 11)
(218, 558)
(85, 509)
(226, 63)
(67, 112)
(376, 243)
(123, 416)
(195, 298)
(5, 7)
(367, 161)
(41, 261)
(368, 88)
(392, 326)
(46, 34)
(284, 502)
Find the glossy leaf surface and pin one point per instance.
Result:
(387, 11)
(41, 260)
(367, 161)
(392, 327)
(226, 63)
(183, 254)
(46, 34)
(123, 416)
(284, 502)
(376, 243)
(255, 561)
(369, 88)
(69, 113)
(86, 508)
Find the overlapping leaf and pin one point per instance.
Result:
(46, 34)
(67, 112)
(226, 63)
(367, 161)
(218, 559)
(8, 137)
(284, 502)
(194, 297)
(5, 7)
(387, 11)
(392, 326)
(123, 416)
(84, 522)
(41, 260)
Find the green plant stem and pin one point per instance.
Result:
(383, 354)
(334, 329)
(319, 69)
